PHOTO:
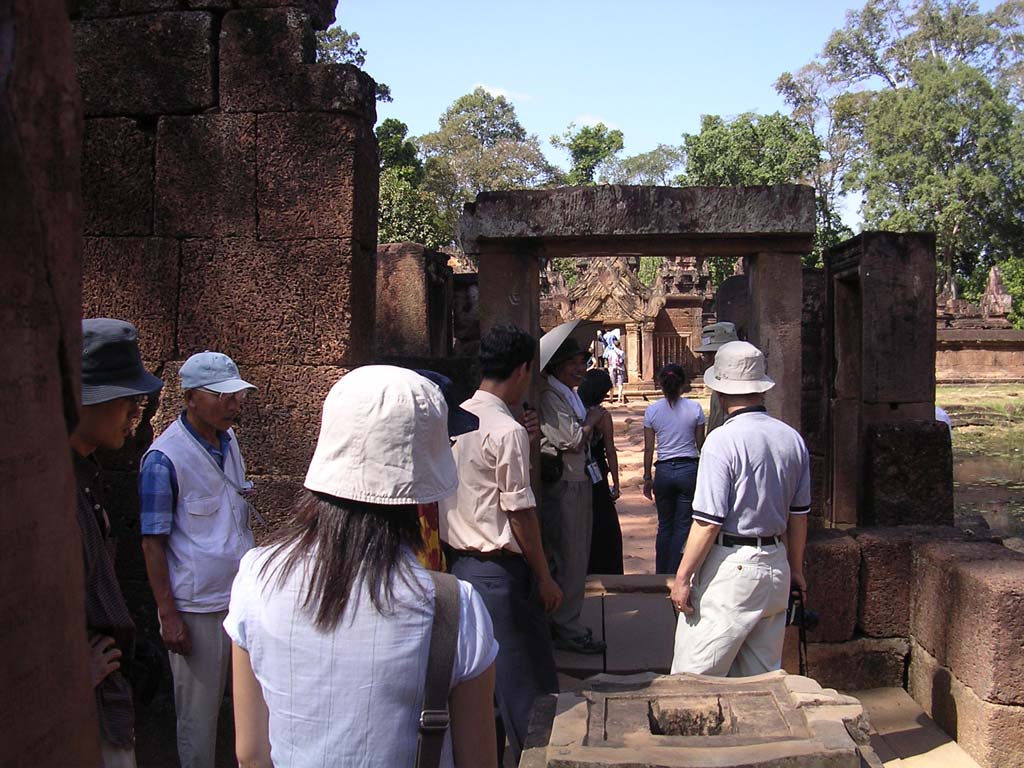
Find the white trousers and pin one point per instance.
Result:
(199, 680)
(738, 625)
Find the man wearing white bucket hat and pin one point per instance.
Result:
(745, 550)
(712, 338)
(195, 528)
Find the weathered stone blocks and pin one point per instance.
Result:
(968, 612)
(414, 301)
(134, 279)
(993, 734)
(117, 177)
(293, 149)
(886, 575)
(206, 176)
(908, 474)
(855, 665)
(97, 9)
(321, 12)
(158, 63)
(267, 65)
(270, 301)
(831, 567)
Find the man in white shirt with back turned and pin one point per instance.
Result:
(746, 548)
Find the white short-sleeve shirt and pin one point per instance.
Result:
(674, 425)
(754, 472)
(351, 696)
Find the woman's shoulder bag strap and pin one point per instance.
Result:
(435, 718)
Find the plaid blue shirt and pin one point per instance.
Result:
(158, 484)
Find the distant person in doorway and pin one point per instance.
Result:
(711, 340)
(746, 549)
(597, 349)
(675, 426)
(115, 386)
(195, 522)
(606, 538)
(566, 427)
(616, 361)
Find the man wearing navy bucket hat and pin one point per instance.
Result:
(115, 386)
(745, 550)
(195, 530)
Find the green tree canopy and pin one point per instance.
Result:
(407, 213)
(946, 154)
(918, 105)
(397, 151)
(480, 145)
(338, 46)
(588, 148)
(749, 150)
(659, 167)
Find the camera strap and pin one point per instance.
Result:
(435, 718)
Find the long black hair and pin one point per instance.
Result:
(673, 382)
(346, 543)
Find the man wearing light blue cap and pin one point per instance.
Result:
(195, 529)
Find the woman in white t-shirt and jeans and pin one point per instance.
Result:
(331, 621)
(676, 426)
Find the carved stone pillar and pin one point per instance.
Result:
(632, 347)
(647, 351)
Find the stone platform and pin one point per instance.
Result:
(690, 721)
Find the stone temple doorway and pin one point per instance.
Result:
(771, 228)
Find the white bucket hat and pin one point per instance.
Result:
(384, 440)
(715, 335)
(738, 370)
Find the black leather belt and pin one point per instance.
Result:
(678, 460)
(494, 554)
(730, 540)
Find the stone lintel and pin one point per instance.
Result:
(628, 211)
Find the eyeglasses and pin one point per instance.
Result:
(239, 395)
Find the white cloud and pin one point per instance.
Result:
(510, 95)
(594, 120)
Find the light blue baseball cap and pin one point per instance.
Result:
(213, 371)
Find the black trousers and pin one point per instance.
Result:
(525, 667)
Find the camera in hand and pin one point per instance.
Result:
(798, 616)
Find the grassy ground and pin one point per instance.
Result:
(988, 452)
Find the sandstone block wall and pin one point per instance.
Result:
(230, 196)
(414, 302)
(46, 712)
(926, 608)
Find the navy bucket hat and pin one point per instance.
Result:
(111, 362)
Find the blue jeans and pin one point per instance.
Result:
(674, 486)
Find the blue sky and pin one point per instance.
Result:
(649, 68)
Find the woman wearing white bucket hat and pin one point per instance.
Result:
(332, 621)
(746, 548)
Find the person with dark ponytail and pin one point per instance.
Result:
(676, 426)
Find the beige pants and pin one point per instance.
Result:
(117, 757)
(567, 521)
(738, 625)
(199, 680)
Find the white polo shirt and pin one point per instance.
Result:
(754, 472)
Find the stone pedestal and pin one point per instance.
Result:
(690, 721)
